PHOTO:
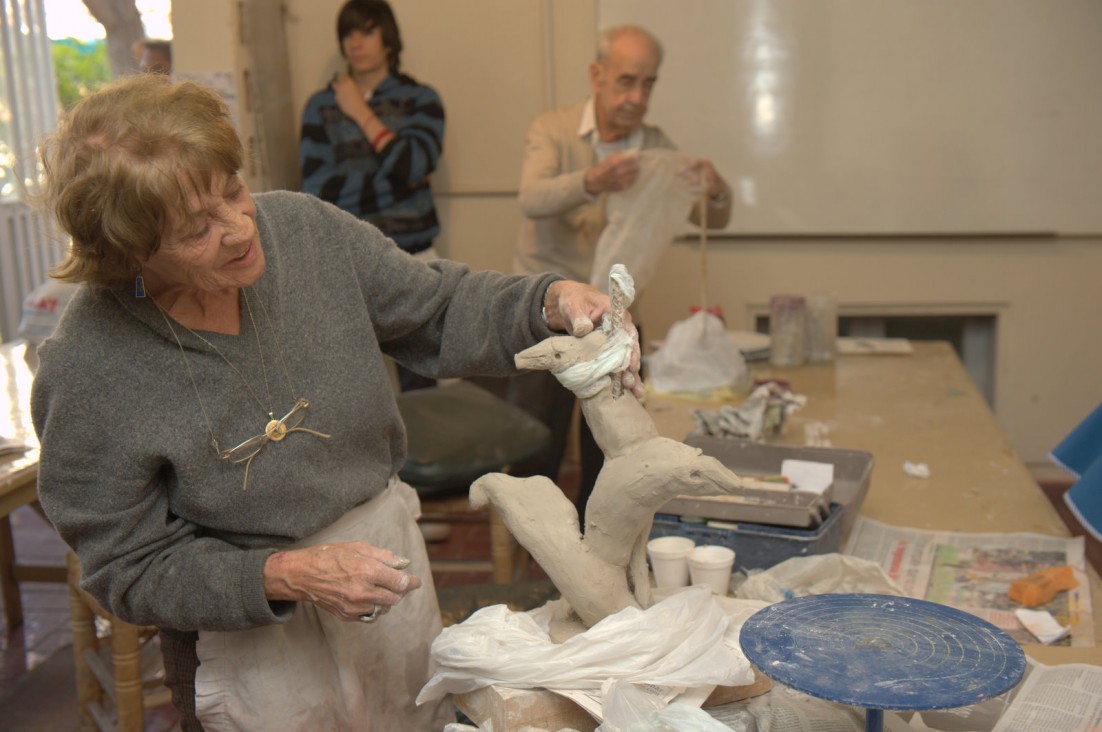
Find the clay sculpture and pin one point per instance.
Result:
(605, 570)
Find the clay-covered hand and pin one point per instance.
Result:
(576, 308)
(349, 579)
(615, 173)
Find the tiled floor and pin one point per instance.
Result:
(37, 686)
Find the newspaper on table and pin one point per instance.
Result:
(973, 572)
(1056, 699)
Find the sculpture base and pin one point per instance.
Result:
(505, 708)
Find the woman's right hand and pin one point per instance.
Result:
(350, 98)
(348, 579)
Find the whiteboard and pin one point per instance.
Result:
(866, 117)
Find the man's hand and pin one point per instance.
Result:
(348, 579)
(576, 308)
(615, 173)
(700, 174)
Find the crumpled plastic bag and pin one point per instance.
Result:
(676, 642)
(818, 574)
(42, 309)
(627, 708)
(644, 219)
(762, 413)
(697, 355)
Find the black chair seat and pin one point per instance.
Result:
(459, 432)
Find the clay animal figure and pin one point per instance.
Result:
(605, 570)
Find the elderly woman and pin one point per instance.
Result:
(220, 441)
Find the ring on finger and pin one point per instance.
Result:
(372, 616)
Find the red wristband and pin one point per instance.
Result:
(379, 138)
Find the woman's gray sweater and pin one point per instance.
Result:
(165, 533)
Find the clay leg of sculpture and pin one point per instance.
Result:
(545, 522)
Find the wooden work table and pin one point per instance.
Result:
(921, 408)
(18, 476)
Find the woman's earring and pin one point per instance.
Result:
(139, 286)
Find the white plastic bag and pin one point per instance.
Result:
(697, 355)
(818, 574)
(676, 642)
(644, 219)
(762, 413)
(627, 708)
(42, 309)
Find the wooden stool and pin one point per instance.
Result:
(457, 433)
(118, 676)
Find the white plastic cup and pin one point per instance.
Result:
(669, 558)
(712, 565)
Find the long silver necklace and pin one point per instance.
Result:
(260, 351)
(276, 429)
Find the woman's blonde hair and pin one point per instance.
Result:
(120, 168)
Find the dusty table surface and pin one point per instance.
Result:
(921, 408)
(18, 476)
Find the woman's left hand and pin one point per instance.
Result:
(577, 308)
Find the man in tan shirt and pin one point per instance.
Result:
(575, 157)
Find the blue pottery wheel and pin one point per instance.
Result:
(882, 652)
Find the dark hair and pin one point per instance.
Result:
(365, 15)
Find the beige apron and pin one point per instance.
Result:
(318, 672)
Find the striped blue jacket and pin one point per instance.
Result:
(389, 188)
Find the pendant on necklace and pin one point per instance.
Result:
(275, 430)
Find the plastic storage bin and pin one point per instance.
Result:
(852, 468)
(758, 546)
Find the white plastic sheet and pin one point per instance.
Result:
(628, 708)
(818, 574)
(676, 642)
(644, 219)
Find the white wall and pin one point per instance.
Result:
(496, 63)
(872, 117)
(1041, 291)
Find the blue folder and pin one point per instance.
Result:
(1080, 454)
(1082, 447)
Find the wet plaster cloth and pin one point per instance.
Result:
(317, 671)
(644, 219)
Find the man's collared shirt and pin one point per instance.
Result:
(588, 128)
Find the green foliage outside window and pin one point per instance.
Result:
(80, 67)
